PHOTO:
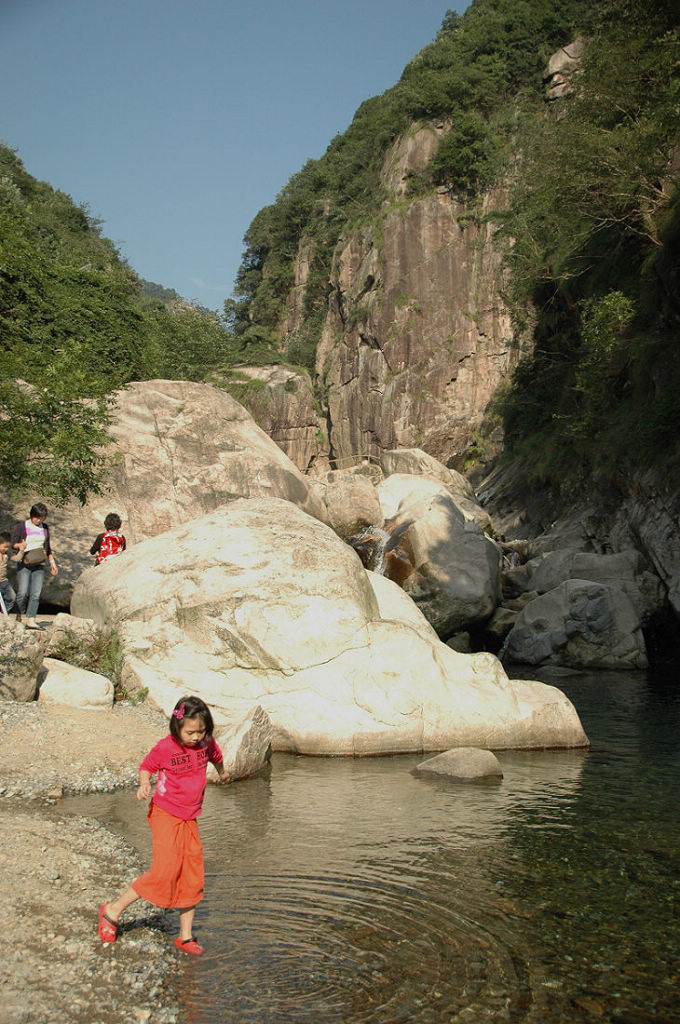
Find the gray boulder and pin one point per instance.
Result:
(456, 568)
(461, 642)
(648, 520)
(515, 580)
(499, 625)
(21, 656)
(463, 764)
(247, 746)
(580, 624)
(626, 570)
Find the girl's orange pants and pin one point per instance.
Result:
(175, 878)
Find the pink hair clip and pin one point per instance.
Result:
(178, 713)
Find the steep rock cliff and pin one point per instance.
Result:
(417, 338)
(284, 406)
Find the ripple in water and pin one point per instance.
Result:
(349, 891)
(363, 949)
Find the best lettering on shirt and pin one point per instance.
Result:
(181, 774)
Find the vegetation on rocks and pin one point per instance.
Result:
(100, 650)
(591, 226)
(594, 219)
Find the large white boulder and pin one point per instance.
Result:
(259, 604)
(415, 462)
(179, 450)
(396, 606)
(351, 501)
(456, 577)
(61, 683)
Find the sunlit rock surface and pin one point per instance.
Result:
(179, 450)
(259, 603)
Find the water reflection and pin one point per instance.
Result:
(356, 881)
(350, 891)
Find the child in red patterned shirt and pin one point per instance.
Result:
(175, 878)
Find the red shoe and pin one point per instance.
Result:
(108, 929)
(189, 946)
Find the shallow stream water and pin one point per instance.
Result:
(349, 891)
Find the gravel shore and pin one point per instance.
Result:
(57, 868)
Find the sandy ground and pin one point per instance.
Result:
(56, 869)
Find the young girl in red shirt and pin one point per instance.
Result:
(175, 878)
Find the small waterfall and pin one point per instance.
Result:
(383, 550)
(370, 544)
(379, 551)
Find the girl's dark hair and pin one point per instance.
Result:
(38, 510)
(112, 521)
(191, 707)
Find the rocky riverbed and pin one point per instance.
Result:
(57, 868)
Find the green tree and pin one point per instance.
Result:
(51, 440)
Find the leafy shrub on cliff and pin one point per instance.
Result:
(466, 157)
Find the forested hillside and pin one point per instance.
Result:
(477, 75)
(594, 230)
(75, 323)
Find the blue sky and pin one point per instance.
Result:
(175, 121)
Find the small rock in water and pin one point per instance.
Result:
(462, 764)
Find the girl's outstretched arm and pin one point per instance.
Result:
(219, 767)
(144, 787)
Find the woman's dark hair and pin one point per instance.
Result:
(191, 707)
(112, 521)
(38, 510)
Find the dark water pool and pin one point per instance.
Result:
(349, 891)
